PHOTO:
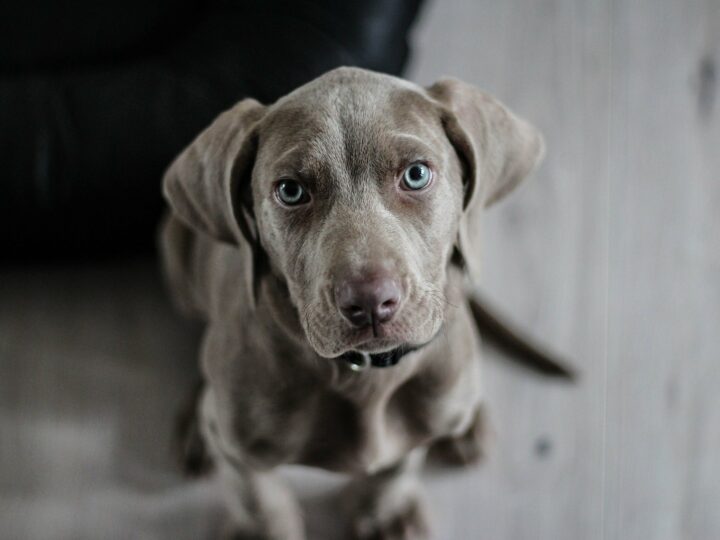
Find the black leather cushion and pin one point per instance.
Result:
(40, 33)
(96, 102)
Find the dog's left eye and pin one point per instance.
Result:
(416, 176)
(291, 193)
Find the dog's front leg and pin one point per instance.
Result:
(261, 507)
(390, 503)
(467, 448)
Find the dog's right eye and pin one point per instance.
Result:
(291, 193)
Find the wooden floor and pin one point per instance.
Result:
(611, 254)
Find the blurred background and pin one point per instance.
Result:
(610, 254)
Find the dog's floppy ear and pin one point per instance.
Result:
(207, 185)
(497, 151)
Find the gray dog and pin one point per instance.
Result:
(323, 238)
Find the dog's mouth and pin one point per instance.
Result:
(358, 360)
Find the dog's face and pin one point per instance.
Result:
(357, 201)
(356, 188)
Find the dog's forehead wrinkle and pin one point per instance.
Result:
(360, 121)
(344, 122)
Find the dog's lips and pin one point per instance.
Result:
(381, 339)
(376, 346)
(358, 359)
(365, 345)
(367, 342)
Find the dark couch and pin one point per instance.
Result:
(97, 97)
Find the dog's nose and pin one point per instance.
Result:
(368, 301)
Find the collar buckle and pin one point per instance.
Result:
(358, 361)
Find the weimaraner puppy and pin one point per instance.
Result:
(326, 240)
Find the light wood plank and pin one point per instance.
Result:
(612, 252)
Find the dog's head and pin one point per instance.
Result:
(357, 189)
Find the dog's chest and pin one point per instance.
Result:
(363, 427)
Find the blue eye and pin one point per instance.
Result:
(291, 193)
(416, 176)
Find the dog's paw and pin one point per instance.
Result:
(405, 520)
(465, 449)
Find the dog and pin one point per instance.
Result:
(327, 242)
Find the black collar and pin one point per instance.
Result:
(358, 361)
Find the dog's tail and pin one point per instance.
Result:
(519, 347)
